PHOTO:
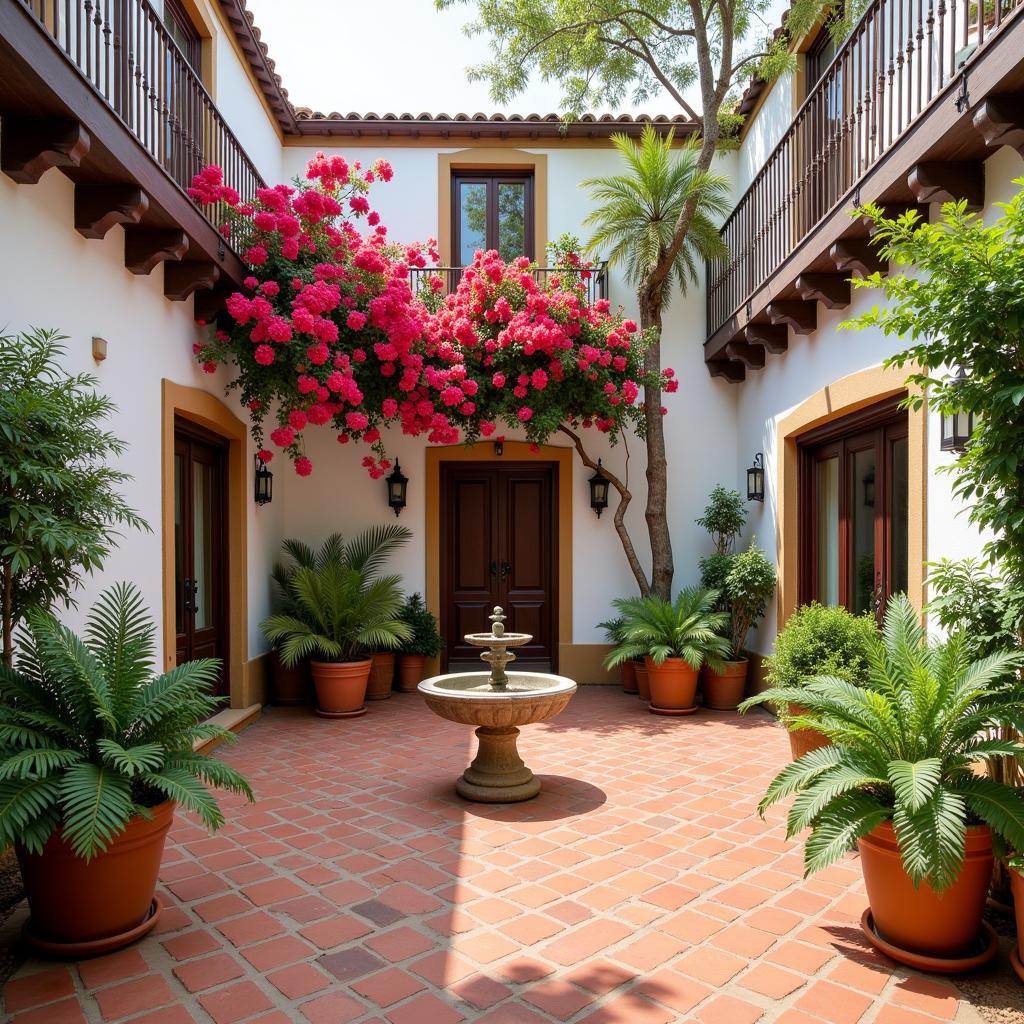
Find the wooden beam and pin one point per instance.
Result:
(944, 181)
(751, 356)
(831, 290)
(99, 207)
(30, 146)
(801, 316)
(144, 248)
(182, 279)
(857, 256)
(734, 373)
(1000, 120)
(210, 303)
(772, 338)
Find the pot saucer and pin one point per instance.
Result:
(342, 714)
(986, 946)
(95, 947)
(672, 712)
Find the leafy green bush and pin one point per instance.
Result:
(688, 628)
(426, 640)
(904, 749)
(749, 587)
(59, 499)
(89, 738)
(821, 641)
(724, 518)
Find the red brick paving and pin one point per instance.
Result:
(641, 887)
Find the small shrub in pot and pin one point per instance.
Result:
(425, 643)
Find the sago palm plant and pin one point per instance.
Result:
(89, 738)
(687, 628)
(905, 749)
(637, 211)
(336, 613)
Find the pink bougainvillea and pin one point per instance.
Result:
(327, 331)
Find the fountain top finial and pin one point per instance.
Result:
(498, 620)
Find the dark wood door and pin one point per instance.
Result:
(854, 511)
(498, 547)
(200, 557)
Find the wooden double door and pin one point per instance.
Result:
(499, 547)
(200, 547)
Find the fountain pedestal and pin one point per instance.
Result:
(497, 703)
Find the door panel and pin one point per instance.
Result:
(497, 534)
(853, 511)
(199, 548)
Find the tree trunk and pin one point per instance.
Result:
(662, 566)
(8, 612)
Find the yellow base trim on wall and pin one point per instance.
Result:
(584, 664)
(515, 451)
(209, 412)
(847, 395)
(491, 159)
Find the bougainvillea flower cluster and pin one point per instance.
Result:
(328, 333)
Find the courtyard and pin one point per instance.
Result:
(640, 887)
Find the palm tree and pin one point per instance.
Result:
(634, 223)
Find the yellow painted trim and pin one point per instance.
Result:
(845, 396)
(515, 451)
(208, 411)
(204, 22)
(491, 159)
(584, 663)
(229, 34)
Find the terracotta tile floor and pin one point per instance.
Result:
(640, 887)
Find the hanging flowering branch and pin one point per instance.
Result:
(327, 331)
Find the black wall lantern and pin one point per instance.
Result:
(264, 486)
(598, 491)
(397, 484)
(957, 426)
(755, 479)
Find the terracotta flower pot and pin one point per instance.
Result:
(803, 741)
(673, 687)
(410, 672)
(381, 676)
(1017, 888)
(643, 683)
(919, 921)
(723, 691)
(290, 685)
(84, 908)
(341, 687)
(628, 676)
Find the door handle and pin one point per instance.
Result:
(188, 586)
(506, 569)
(494, 568)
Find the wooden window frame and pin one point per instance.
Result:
(876, 426)
(193, 53)
(493, 179)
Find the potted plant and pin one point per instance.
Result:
(341, 613)
(290, 684)
(675, 638)
(816, 641)
(94, 754)
(899, 783)
(425, 643)
(613, 635)
(748, 586)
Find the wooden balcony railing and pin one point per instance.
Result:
(898, 57)
(123, 50)
(596, 284)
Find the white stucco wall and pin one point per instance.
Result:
(764, 130)
(700, 426)
(55, 278)
(822, 358)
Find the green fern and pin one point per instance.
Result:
(89, 739)
(688, 628)
(905, 749)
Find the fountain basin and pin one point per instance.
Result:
(497, 774)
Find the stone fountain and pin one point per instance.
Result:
(497, 703)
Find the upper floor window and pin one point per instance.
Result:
(819, 55)
(183, 32)
(492, 211)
